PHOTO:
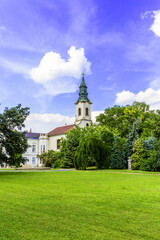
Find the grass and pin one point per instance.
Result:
(79, 205)
(1, 169)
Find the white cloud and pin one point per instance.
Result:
(156, 24)
(44, 123)
(146, 14)
(150, 96)
(57, 75)
(125, 97)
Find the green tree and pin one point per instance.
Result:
(69, 146)
(118, 160)
(95, 144)
(157, 149)
(137, 156)
(131, 138)
(13, 142)
(15, 145)
(120, 120)
(149, 160)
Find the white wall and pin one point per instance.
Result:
(82, 120)
(52, 142)
(29, 154)
(43, 143)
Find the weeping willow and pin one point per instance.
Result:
(95, 145)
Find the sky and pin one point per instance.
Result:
(45, 45)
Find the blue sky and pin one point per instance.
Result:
(46, 44)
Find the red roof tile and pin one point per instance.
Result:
(61, 130)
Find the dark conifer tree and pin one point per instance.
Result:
(118, 160)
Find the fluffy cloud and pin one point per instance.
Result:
(46, 122)
(156, 24)
(57, 75)
(150, 96)
(125, 97)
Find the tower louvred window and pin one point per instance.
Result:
(87, 112)
(79, 111)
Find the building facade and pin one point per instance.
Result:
(40, 142)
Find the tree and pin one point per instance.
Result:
(131, 138)
(13, 143)
(149, 160)
(137, 156)
(120, 120)
(157, 149)
(95, 144)
(118, 160)
(69, 146)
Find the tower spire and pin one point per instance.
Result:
(83, 106)
(83, 94)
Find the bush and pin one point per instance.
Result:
(47, 158)
(57, 164)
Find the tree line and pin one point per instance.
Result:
(121, 132)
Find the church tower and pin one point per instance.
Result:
(83, 106)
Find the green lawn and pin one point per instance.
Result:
(79, 205)
(4, 169)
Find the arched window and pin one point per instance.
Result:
(87, 125)
(58, 143)
(79, 111)
(33, 148)
(86, 111)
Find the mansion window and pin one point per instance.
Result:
(87, 112)
(58, 143)
(79, 111)
(33, 160)
(33, 148)
(87, 125)
(26, 160)
(44, 148)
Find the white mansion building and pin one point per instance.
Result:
(40, 142)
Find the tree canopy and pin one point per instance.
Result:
(120, 120)
(121, 132)
(13, 142)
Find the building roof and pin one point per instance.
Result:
(32, 135)
(61, 130)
